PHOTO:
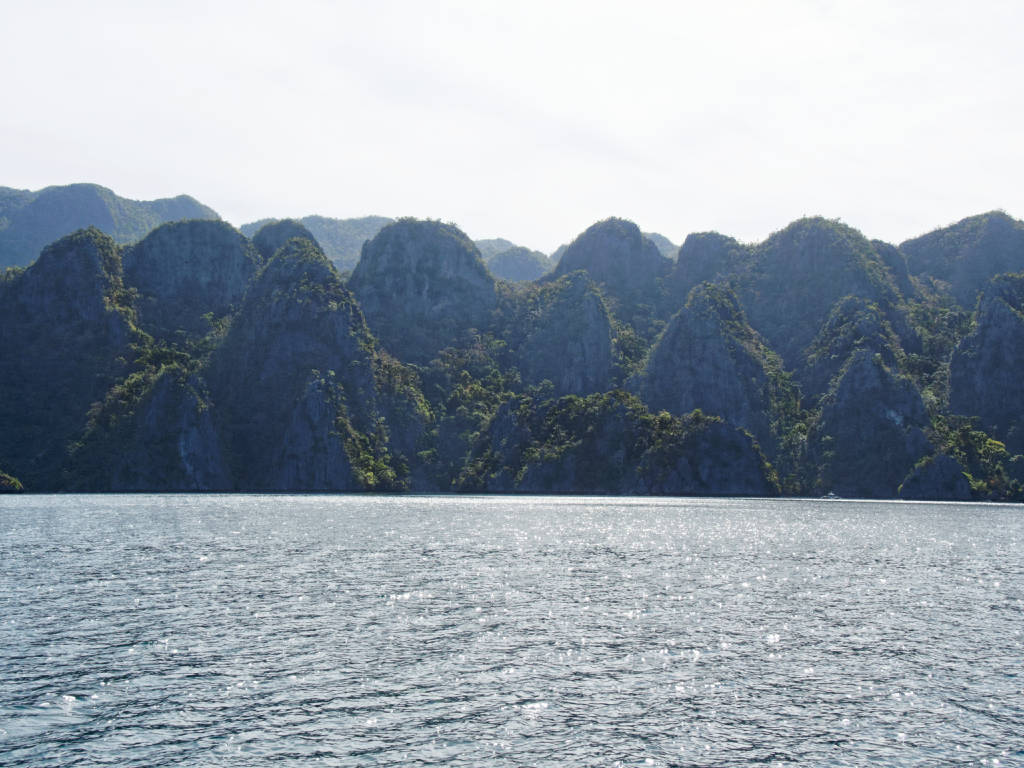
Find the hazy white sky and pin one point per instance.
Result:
(527, 120)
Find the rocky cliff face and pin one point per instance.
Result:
(291, 391)
(854, 324)
(186, 270)
(66, 330)
(571, 344)
(164, 439)
(422, 285)
(626, 265)
(273, 236)
(610, 443)
(870, 433)
(710, 358)
(968, 254)
(799, 275)
(706, 257)
(985, 371)
(312, 453)
(297, 383)
(31, 220)
(937, 478)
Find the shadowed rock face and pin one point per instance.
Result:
(422, 285)
(710, 358)
(854, 324)
(270, 237)
(299, 388)
(297, 324)
(801, 273)
(68, 320)
(572, 343)
(616, 254)
(968, 254)
(790, 283)
(938, 477)
(172, 445)
(985, 372)
(870, 432)
(187, 269)
(706, 257)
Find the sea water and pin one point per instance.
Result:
(239, 630)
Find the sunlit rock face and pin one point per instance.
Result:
(422, 286)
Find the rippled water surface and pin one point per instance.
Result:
(242, 630)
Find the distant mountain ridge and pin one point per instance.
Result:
(31, 220)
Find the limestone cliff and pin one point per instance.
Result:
(938, 478)
(966, 255)
(870, 432)
(298, 375)
(273, 236)
(854, 324)
(341, 239)
(710, 358)
(800, 273)
(160, 438)
(985, 371)
(705, 257)
(627, 266)
(188, 273)
(422, 286)
(571, 341)
(66, 335)
(518, 264)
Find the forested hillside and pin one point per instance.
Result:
(198, 357)
(31, 220)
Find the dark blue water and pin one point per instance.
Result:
(249, 630)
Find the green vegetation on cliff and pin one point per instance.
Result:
(611, 443)
(10, 484)
(818, 360)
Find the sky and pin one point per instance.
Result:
(527, 120)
